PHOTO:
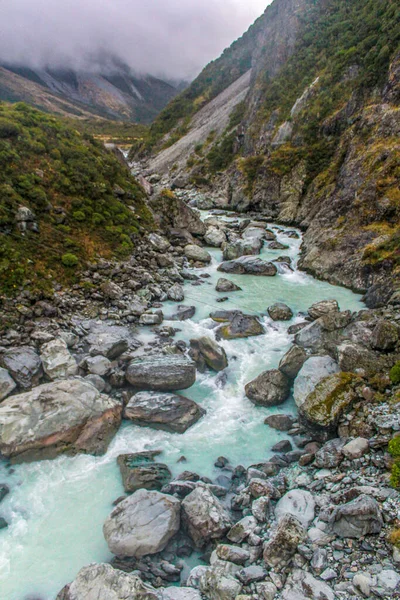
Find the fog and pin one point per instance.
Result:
(169, 38)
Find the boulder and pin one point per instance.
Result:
(63, 416)
(284, 541)
(271, 388)
(7, 384)
(103, 582)
(197, 254)
(241, 326)
(169, 412)
(319, 309)
(224, 316)
(206, 352)
(299, 504)
(180, 593)
(57, 361)
(247, 265)
(330, 455)
(217, 584)
(140, 471)
(301, 585)
(280, 422)
(214, 237)
(242, 529)
(353, 358)
(309, 336)
(234, 554)
(384, 336)
(224, 285)
(277, 246)
(293, 361)
(97, 381)
(314, 370)
(357, 518)
(280, 312)
(204, 517)
(161, 373)
(111, 290)
(24, 365)
(150, 319)
(173, 213)
(159, 243)
(330, 398)
(142, 524)
(175, 293)
(98, 365)
(356, 448)
(4, 490)
(107, 343)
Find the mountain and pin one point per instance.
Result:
(299, 119)
(116, 93)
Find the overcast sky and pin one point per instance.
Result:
(173, 38)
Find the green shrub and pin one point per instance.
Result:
(79, 215)
(394, 447)
(69, 260)
(394, 374)
(395, 475)
(9, 129)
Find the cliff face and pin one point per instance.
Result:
(315, 142)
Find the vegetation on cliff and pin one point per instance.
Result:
(85, 203)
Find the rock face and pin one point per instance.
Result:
(271, 388)
(247, 265)
(314, 370)
(24, 365)
(280, 312)
(142, 524)
(64, 416)
(207, 353)
(7, 384)
(303, 586)
(197, 254)
(299, 504)
(161, 373)
(169, 412)
(284, 541)
(57, 360)
(241, 326)
(103, 582)
(204, 517)
(224, 285)
(140, 471)
(329, 399)
(357, 518)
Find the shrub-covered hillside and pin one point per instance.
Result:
(64, 200)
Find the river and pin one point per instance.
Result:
(56, 509)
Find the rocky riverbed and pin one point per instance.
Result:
(221, 418)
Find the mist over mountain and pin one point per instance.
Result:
(171, 39)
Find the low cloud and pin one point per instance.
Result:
(169, 38)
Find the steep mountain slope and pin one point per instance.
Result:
(117, 94)
(64, 200)
(315, 143)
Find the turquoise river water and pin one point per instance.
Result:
(56, 509)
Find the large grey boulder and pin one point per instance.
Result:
(330, 398)
(216, 583)
(280, 312)
(180, 593)
(385, 336)
(63, 416)
(284, 541)
(247, 265)
(142, 524)
(24, 365)
(292, 361)
(299, 503)
(207, 353)
(161, 373)
(214, 237)
(169, 412)
(204, 517)
(224, 285)
(197, 254)
(57, 361)
(357, 518)
(175, 293)
(107, 343)
(7, 384)
(319, 309)
(301, 585)
(271, 388)
(103, 582)
(160, 243)
(240, 326)
(313, 371)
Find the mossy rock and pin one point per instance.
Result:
(330, 398)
